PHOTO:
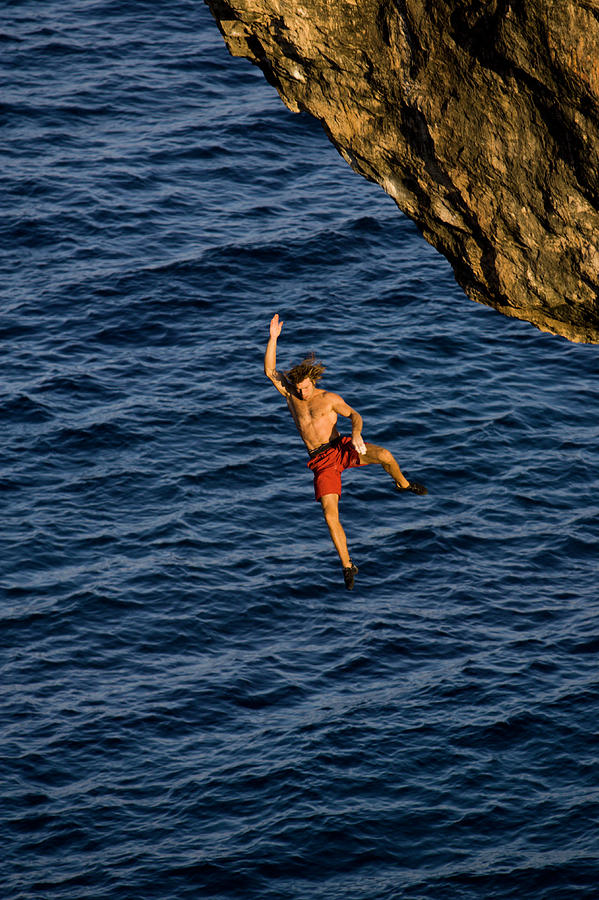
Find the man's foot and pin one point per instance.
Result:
(412, 486)
(349, 573)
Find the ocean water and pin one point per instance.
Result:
(193, 704)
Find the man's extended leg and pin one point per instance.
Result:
(386, 459)
(330, 508)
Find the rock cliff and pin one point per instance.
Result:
(479, 117)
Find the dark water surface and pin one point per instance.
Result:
(193, 705)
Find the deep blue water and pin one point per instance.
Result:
(193, 705)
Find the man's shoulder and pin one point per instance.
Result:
(325, 396)
(324, 392)
(333, 397)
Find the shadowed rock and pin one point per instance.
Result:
(480, 119)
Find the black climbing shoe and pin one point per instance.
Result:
(349, 573)
(414, 487)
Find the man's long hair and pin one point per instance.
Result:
(309, 367)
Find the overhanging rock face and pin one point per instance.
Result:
(479, 118)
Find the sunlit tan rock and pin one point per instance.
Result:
(480, 119)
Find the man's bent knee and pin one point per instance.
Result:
(385, 456)
(376, 454)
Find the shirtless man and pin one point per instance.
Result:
(315, 414)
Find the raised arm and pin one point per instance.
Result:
(344, 409)
(270, 358)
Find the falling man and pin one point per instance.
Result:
(315, 412)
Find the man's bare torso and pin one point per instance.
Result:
(316, 420)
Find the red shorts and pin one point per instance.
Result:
(328, 466)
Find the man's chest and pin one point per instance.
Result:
(313, 410)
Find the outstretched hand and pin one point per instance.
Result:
(275, 326)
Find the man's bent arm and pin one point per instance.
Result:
(356, 432)
(344, 409)
(270, 357)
